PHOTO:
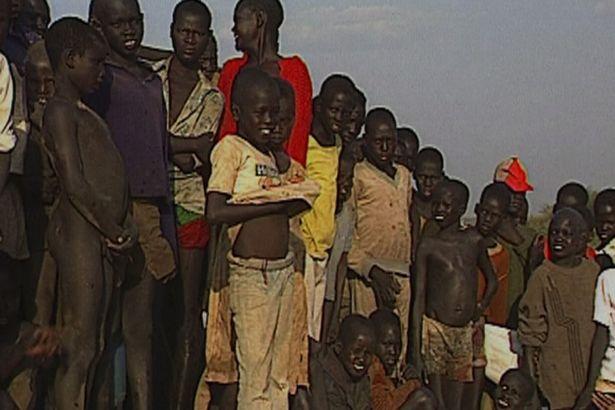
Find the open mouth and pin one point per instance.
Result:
(438, 217)
(130, 44)
(503, 404)
(558, 248)
(358, 367)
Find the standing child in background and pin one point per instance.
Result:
(407, 148)
(391, 388)
(339, 376)
(131, 101)
(555, 313)
(354, 126)
(261, 272)
(209, 60)
(381, 243)
(194, 106)
(446, 324)
(604, 213)
(91, 219)
(331, 112)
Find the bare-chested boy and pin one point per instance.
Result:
(91, 216)
(194, 107)
(445, 310)
(261, 271)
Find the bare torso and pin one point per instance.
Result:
(452, 277)
(265, 238)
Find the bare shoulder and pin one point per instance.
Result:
(59, 114)
(427, 244)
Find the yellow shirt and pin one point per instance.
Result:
(318, 225)
(382, 220)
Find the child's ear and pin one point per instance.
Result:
(476, 208)
(337, 348)
(235, 111)
(171, 30)
(261, 19)
(95, 22)
(69, 58)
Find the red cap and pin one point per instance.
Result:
(513, 173)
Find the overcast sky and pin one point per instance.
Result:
(480, 79)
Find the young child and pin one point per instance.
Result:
(86, 224)
(390, 388)
(350, 135)
(516, 391)
(572, 195)
(555, 313)
(339, 376)
(194, 107)
(490, 212)
(407, 148)
(445, 314)
(131, 101)
(209, 60)
(242, 193)
(331, 112)
(381, 243)
(604, 214)
(600, 383)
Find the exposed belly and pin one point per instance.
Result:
(453, 302)
(265, 238)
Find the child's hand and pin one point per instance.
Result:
(603, 401)
(386, 287)
(44, 344)
(127, 240)
(185, 162)
(537, 254)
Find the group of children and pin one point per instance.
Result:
(237, 244)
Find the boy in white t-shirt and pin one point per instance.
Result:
(600, 386)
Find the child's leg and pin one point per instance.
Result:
(315, 291)
(452, 393)
(280, 362)
(403, 304)
(472, 392)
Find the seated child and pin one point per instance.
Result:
(490, 211)
(555, 313)
(23, 347)
(381, 245)
(445, 318)
(91, 217)
(390, 388)
(604, 214)
(601, 377)
(261, 272)
(516, 391)
(339, 376)
(407, 148)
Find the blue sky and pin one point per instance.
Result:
(481, 79)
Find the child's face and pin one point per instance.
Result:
(258, 115)
(40, 84)
(333, 110)
(122, 26)
(380, 143)
(517, 202)
(35, 17)
(427, 175)
(512, 393)
(190, 36)
(489, 214)
(605, 222)
(284, 125)
(356, 357)
(446, 208)
(405, 154)
(354, 124)
(88, 69)
(209, 60)
(388, 347)
(566, 238)
(245, 28)
(344, 182)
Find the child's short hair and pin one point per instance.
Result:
(605, 197)
(459, 189)
(581, 214)
(272, 8)
(384, 317)
(353, 325)
(69, 33)
(194, 6)
(498, 190)
(336, 83)
(379, 114)
(409, 134)
(248, 79)
(286, 89)
(574, 190)
(431, 155)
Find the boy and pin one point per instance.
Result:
(331, 112)
(429, 172)
(604, 214)
(340, 376)
(87, 223)
(390, 389)
(381, 243)
(194, 107)
(601, 378)
(407, 148)
(572, 195)
(350, 136)
(445, 311)
(209, 60)
(29, 27)
(261, 272)
(131, 101)
(516, 391)
(555, 313)
(490, 212)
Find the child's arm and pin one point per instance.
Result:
(485, 266)
(418, 309)
(219, 211)
(599, 345)
(62, 136)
